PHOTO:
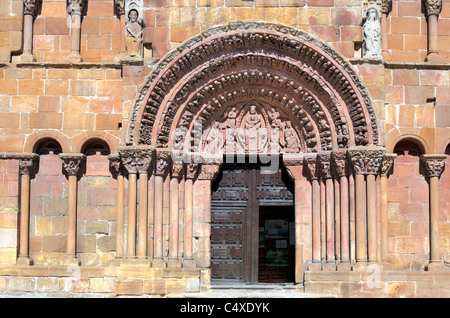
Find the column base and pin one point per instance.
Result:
(173, 263)
(436, 267)
(74, 58)
(315, 267)
(344, 267)
(433, 58)
(71, 261)
(24, 261)
(27, 58)
(135, 262)
(360, 266)
(329, 267)
(189, 264)
(159, 263)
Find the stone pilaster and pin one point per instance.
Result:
(72, 163)
(434, 166)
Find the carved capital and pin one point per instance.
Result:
(75, 7)
(292, 160)
(433, 164)
(136, 159)
(312, 166)
(339, 164)
(162, 163)
(208, 171)
(120, 5)
(325, 164)
(177, 170)
(191, 170)
(72, 162)
(386, 6)
(366, 160)
(386, 163)
(30, 6)
(115, 162)
(26, 163)
(433, 7)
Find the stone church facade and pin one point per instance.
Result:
(160, 148)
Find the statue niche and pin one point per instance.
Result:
(250, 128)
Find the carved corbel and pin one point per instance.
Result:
(294, 165)
(30, 7)
(192, 170)
(432, 7)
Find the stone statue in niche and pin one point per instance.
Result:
(372, 34)
(133, 35)
(252, 124)
(231, 118)
(290, 139)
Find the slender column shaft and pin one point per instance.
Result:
(24, 215)
(142, 215)
(120, 195)
(299, 225)
(384, 44)
(434, 219)
(131, 238)
(432, 34)
(188, 209)
(316, 220)
(352, 217)
(329, 192)
(384, 218)
(173, 219)
(76, 34)
(337, 220)
(151, 216)
(371, 218)
(323, 228)
(28, 34)
(345, 221)
(158, 226)
(360, 211)
(72, 217)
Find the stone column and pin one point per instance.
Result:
(116, 168)
(177, 172)
(366, 161)
(325, 165)
(75, 8)
(26, 169)
(433, 8)
(434, 165)
(191, 174)
(71, 165)
(294, 166)
(386, 165)
(161, 171)
(137, 160)
(386, 6)
(29, 12)
(312, 169)
(120, 5)
(340, 170)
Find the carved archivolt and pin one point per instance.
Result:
(295, 82)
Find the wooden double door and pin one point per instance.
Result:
(252, 225)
